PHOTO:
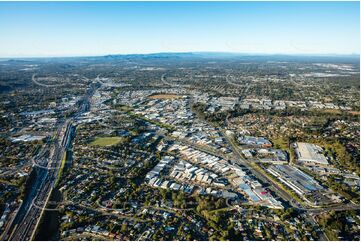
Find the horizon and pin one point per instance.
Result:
(80, 29)
(210, 53)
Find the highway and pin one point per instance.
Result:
(46, 166)
(27, 219)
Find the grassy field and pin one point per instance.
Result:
(61, 168)
(281, 143)
(164, 96)
(331, 111)
(123, 108)
(163, 125)
(106, 141)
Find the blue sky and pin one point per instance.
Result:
(98, 28)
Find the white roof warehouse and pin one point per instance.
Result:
(310, 154)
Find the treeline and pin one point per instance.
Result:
(337, 227)
(25, 187)
(201, 108)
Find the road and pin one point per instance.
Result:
(11, 171)
(244, 87)
(280, 191)
(24, 225)
(163, 79)
(45, 85)
(285, 196)
(28, 217)
(238, 157)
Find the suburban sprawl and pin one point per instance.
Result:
(185, 146)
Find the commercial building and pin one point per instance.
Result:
(294, 178)
(257, 141)
(310, 154)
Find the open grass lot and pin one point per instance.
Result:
(106, 141)
(280, 143)
(164, 96)
(123, 108)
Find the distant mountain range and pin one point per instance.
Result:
(197, 55)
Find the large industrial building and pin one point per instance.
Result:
(294, 178)
(256, 141)
(310, 154)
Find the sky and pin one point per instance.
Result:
(43, 29)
